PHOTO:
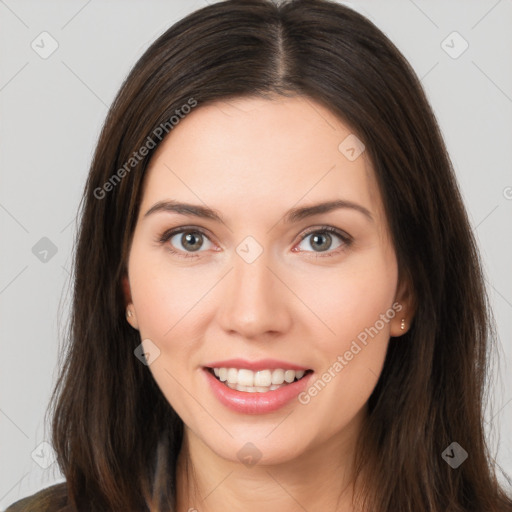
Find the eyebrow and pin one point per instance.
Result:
(293, 215)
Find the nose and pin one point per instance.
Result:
(254, 302)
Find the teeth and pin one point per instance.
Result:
(254, 389)
(278, 376)
(263, 378)
(259, 381)
(245, 378)
(233, 376)
(289, 375)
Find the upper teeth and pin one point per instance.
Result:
(260, 378)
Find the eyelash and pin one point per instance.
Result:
(346, 239)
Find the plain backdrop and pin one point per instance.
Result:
(52, 108)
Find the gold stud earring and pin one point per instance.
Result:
(402, 324)
(128, 313)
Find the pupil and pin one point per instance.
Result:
(326, 244)
(189, 237)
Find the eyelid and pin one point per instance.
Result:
(326, 229)
(169, 233)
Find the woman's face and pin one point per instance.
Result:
(254, 282)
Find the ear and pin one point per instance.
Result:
(131, 316)
(405, 308)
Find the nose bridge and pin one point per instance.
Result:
(252, 280)
(253, 302)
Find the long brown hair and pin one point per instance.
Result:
(116, 437)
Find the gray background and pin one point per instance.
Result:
(51, 113)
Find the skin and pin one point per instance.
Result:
(252, 160)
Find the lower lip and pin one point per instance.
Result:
(256, 403)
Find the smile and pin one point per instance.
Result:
(258, 391)
(260, 381)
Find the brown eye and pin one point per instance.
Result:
(321, 240)
(184, 241)
(191, 240)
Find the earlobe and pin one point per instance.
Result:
(404, 314)
(401, 323)
(130, 310)
(131, 317)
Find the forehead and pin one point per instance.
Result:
(260, 156)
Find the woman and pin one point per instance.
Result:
(278, 297)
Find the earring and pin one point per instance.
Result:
(402, 324)
(128, 313)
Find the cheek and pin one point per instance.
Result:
(357, 306)
(359, 312)
(350, 301)
(167, 300)
(165, 296)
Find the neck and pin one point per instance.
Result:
(321, 478)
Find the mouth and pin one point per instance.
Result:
(262, 381)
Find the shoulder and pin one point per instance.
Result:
(50, 499)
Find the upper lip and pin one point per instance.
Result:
(261, 364)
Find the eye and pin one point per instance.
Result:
(184, 241)
(322, 241)
(187, 240)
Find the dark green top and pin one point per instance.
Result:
(51, 499)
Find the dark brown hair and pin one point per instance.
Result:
(116, 437)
